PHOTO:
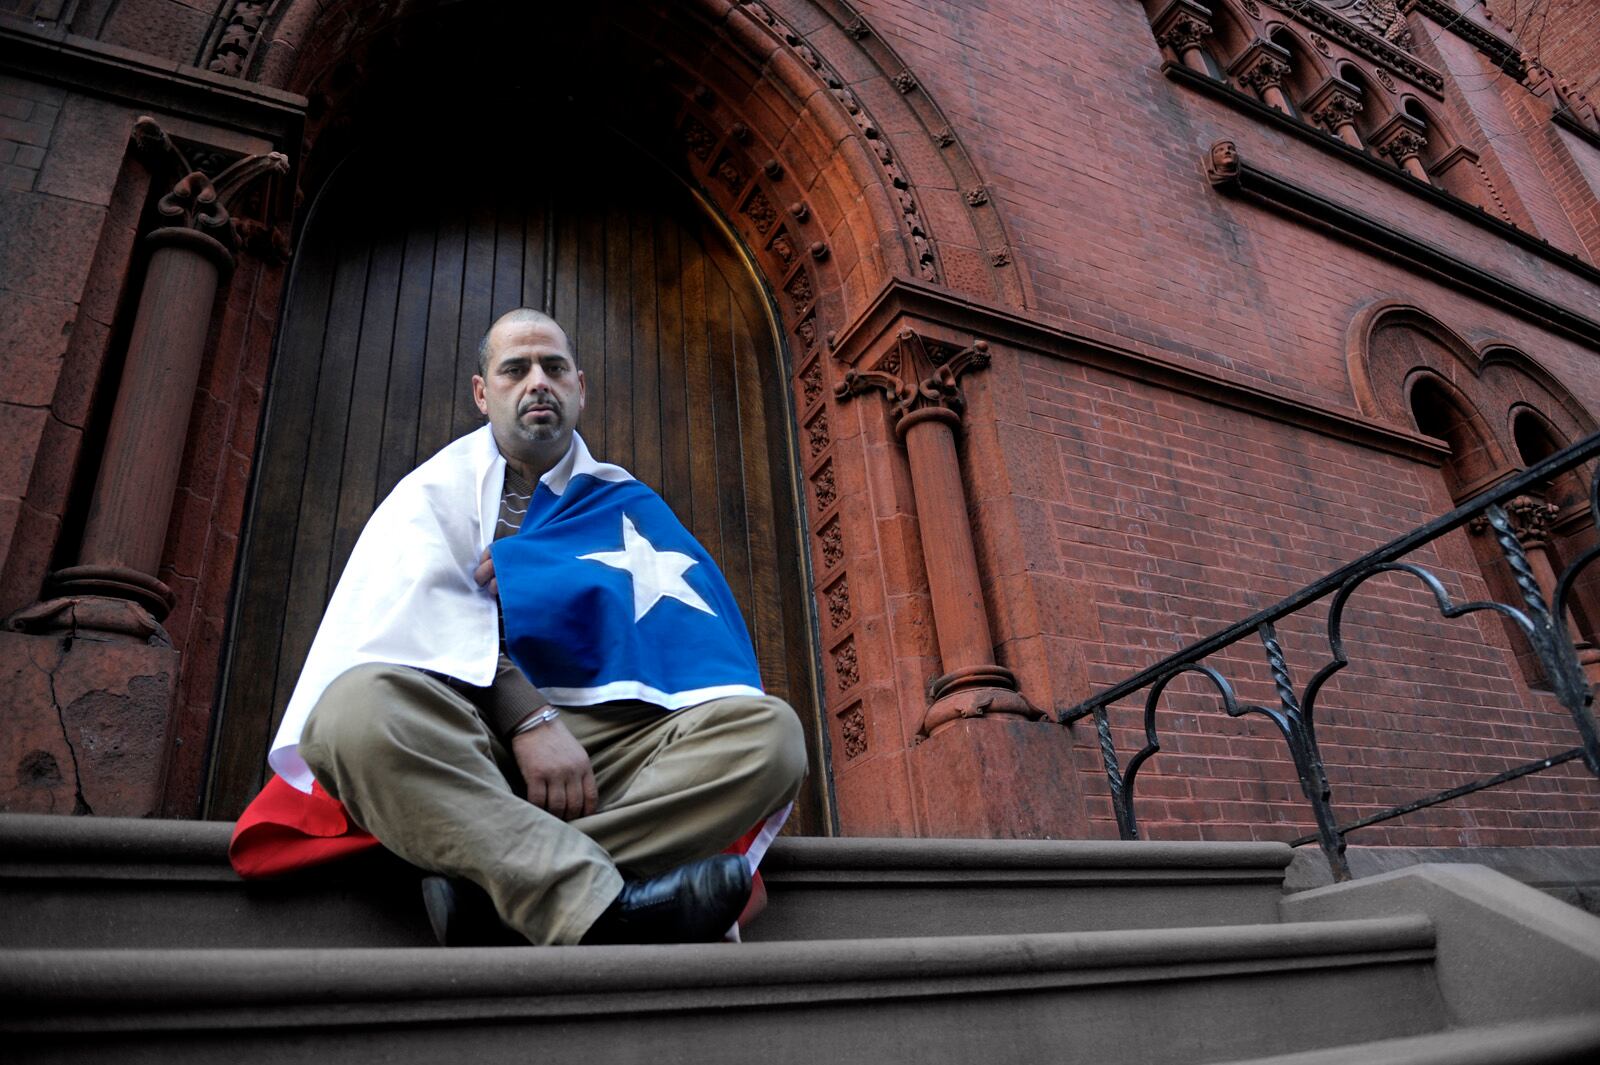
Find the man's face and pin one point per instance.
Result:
(533, 391)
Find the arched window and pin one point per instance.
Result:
(1441, 412)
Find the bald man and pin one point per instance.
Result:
(601, 815)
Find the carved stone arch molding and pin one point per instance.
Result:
(1391, 342)
(805, 127)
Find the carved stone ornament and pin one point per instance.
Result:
(839, 609)
(845, 667)
(1268, 73)
(832, 537)
(1184, 33)
(916, 374)
(1335, 103)
(978, 196)
(905, 81)
(1403, 143)
(1320, 43)
(1531, 518)
(853, 730)
(811, 383)
(1251, 8)
(233, 48)
(194, 201)
(1222, 162)
(1261, 65)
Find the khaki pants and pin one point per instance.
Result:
(414, 764)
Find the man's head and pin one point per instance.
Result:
(529, 386)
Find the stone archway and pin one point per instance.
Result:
(832, 166)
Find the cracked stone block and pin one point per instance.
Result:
(86, 724)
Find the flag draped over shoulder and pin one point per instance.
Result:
(607, 596)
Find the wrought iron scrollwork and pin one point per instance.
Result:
(1544, 623)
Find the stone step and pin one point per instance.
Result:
(107, 882)
(1154, 996)
(1573, 1040)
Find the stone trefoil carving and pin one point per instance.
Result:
(921, 380)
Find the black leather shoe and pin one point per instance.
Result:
(694, 903)
(462, 915)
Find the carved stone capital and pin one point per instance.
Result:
(917, 374)
(1531, 519)
(1261, 65)
(195, 201)
(1182, 25)
(1335, 103)
(1400, 138)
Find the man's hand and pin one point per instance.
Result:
(557, 771)
(484, 574)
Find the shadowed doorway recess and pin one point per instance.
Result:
(394, 283)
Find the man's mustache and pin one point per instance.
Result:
(549, 401)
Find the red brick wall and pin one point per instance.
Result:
(1149, 518)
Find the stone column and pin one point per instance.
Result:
(1181, 26)
(1531, 519)
(927, 416)
(127, 527)
(1335, 105)
(1262, 67)
(91, 728)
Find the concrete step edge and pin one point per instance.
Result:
(40, 980)
(162, 847)
(1541, 1041)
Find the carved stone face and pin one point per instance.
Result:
(532, 392)
(1224, 155)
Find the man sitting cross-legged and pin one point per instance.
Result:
(588, 769)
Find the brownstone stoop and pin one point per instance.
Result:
(132, 940)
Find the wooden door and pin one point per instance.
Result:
(394, 283)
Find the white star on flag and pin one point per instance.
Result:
(657, 575)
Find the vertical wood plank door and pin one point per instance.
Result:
(393, 285)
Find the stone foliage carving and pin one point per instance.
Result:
(839, 603)
(846, 669)
(915, 374)
(824, 487)
(811, 383)
(853, 730)
(832, 537)
(818, 434)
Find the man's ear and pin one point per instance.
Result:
(583, 391)
(478, 395)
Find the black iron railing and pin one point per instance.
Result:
(1540, 616)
